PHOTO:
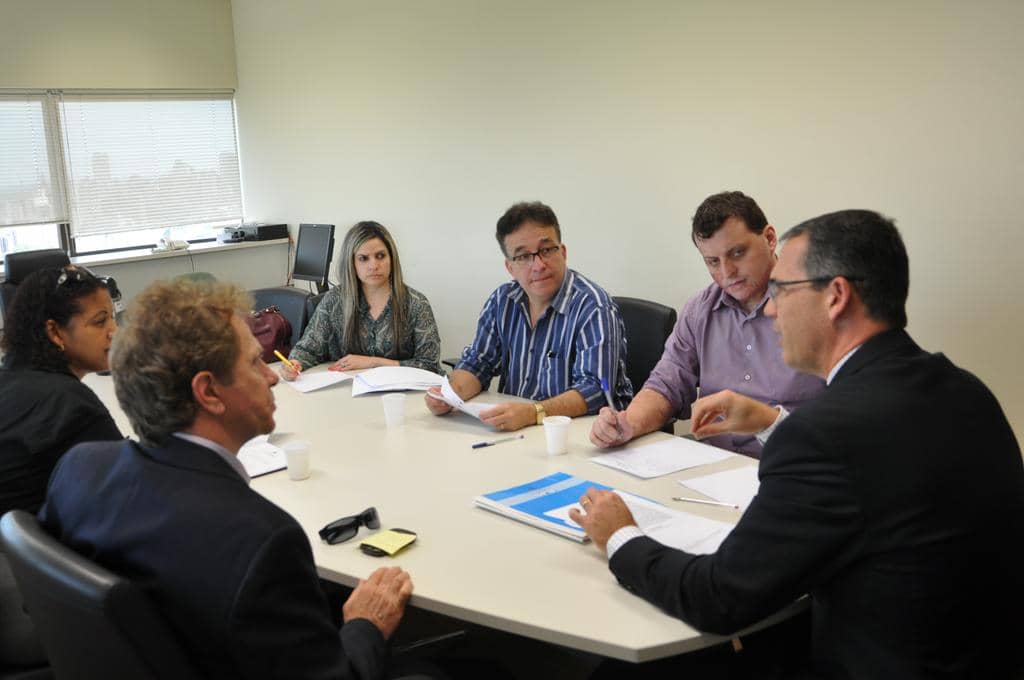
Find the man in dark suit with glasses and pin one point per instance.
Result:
(232, 573)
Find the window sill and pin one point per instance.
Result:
(147, 254)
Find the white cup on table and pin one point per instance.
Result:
(394, 409)
(296, 455)
(556, 432)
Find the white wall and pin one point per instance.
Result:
(433, 117)
(144, 44)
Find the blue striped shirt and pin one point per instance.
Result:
(578, 340)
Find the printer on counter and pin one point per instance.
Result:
(257, 231)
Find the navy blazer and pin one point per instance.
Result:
(232, 573)
(896, 499)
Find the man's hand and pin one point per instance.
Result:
(727, 411)
(434, 403)
(289, 373)
(610, 429)
(510, 417)
(380, 599)
(606, 514)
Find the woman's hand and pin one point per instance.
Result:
(289, 373)
(355, 362)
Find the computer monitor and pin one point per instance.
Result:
(313, 254)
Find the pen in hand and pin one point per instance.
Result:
(480, 445)
(284, 359)
(611, 404)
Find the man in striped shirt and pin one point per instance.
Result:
(552, 335)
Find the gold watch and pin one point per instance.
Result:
(541, 413)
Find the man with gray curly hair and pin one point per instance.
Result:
(232, 573)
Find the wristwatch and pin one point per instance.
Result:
(541, 413)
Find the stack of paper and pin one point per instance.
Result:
(259, 457)
(307, 382)
(662, 457)
(737, 486)
(388, 378)
(545, 504)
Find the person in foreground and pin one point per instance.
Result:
(905, 526)
(551, 334)
(371, 318)
(232, 573)
(723, 339)
(57, 330)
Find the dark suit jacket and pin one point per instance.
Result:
(896, 499)
(232, 572)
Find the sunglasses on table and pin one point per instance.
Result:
(341, 530)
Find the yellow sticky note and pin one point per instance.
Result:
(389, 541)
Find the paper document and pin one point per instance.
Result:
(307, 382)
(450, 397)
(737, 486)
(390, 378)
(662, 457)
(259, 457)
(545, 504)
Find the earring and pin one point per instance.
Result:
(60, 346)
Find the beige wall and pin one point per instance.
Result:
(144, 44)
(433, 117)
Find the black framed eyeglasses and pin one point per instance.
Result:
(774, 286)
(340, 530)
(525, 259)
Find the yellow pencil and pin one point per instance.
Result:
(285, 360)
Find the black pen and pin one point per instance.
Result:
(480, 445)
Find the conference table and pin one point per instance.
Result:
(469, 563)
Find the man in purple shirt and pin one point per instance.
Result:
(722, 340)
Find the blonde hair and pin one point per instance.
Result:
(174, 330)
(351, 289)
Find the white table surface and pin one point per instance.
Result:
(467, 562)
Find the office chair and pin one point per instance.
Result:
(312, 302)
(648, 325)
(19, 265)
(291, 301)
(94, 625)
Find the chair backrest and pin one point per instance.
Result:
(19, 265)
(648, 325)
(92, 623)
(291, 302)
(312, 302)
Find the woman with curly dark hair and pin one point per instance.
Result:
(58, 328)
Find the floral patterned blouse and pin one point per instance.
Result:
(322, 341)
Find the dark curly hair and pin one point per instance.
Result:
(521, 213)
(37, 300)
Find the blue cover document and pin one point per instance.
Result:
(543, 503)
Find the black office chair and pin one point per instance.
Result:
(19, 265)
(648, 325)
(312, 302)
(291, 301)
(94, 625)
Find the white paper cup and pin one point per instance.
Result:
(394, 409)
(296, 454)
(556, 431)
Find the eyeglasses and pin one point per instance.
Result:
(340, 530)
(77, 273)
(526, 259)
(775, 286)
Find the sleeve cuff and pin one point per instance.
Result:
(621, 538)
(763, 435)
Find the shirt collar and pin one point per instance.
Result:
(562, 298)
(724, 299)
(839, 365)
(221, 451)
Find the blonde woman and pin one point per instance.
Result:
(371, 318)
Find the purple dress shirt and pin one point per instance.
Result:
(717, 345)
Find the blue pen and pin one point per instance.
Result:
(480, 445)
(611, 404)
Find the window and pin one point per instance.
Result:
(120, 170)
(31, 184)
